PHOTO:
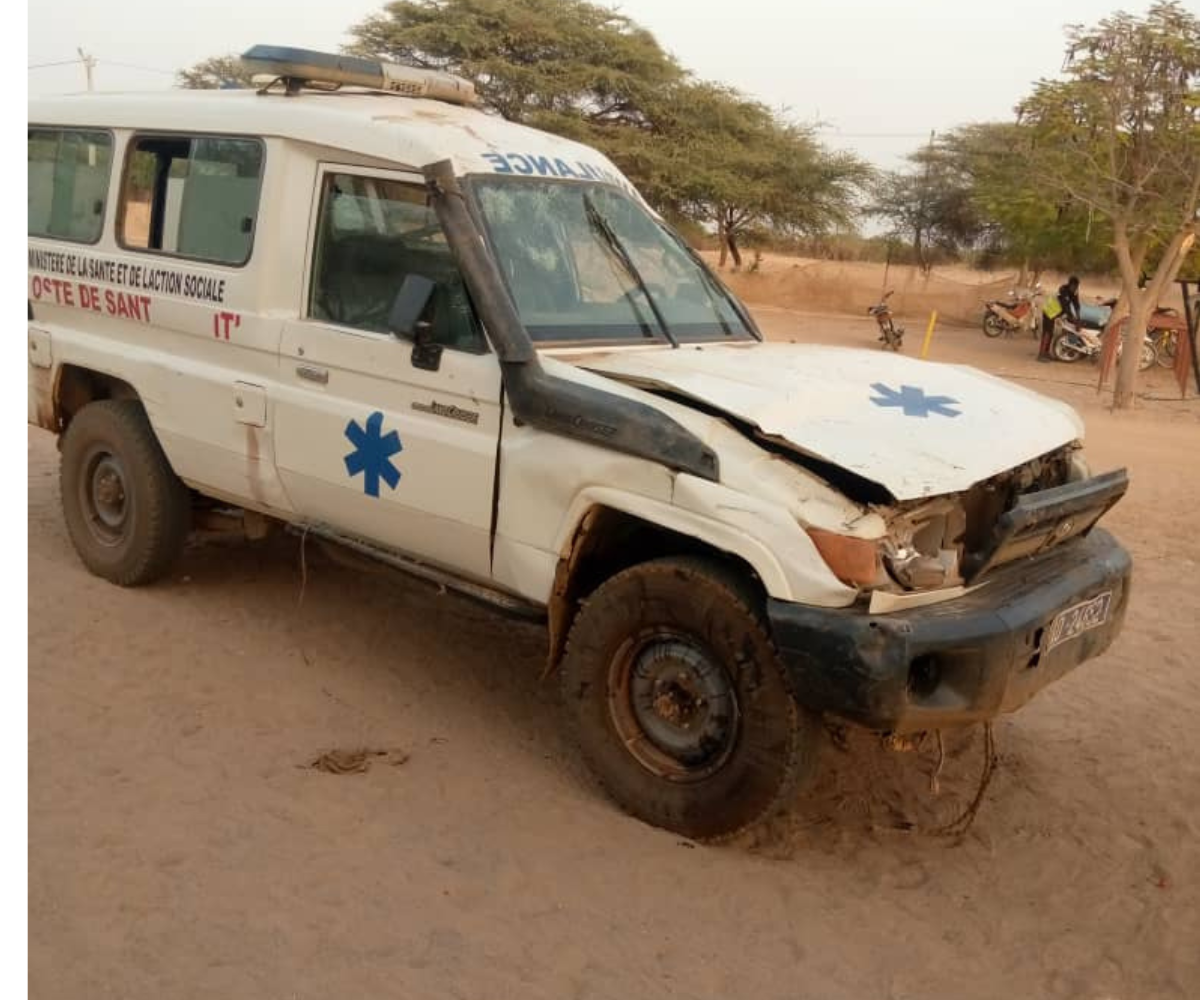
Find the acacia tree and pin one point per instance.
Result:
(529, 59)
(1120, 134)
(696, 150)
(711, 155)
(214, 73)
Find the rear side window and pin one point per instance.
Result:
(68, 183)
(194, 197)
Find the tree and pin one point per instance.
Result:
(1019, 220)
(698, 151)
(1120, 135)
(931, 205)
(533, 61)
(711, 155)
(214, 73)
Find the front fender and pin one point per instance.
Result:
(755, 532)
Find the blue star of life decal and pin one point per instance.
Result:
(913, 401)
(372, 454)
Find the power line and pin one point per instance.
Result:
(877, 135)
(147, 69)
(102, 62)
(66, 62)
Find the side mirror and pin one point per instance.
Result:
(404, 318)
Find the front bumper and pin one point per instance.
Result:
(960, 661)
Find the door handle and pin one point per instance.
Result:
(319, 375)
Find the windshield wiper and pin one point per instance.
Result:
(600, 224)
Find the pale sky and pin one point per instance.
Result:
(881, 73)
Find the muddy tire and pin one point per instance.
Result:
(680, 703)
(127, 512)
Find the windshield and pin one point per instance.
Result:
(587, 262)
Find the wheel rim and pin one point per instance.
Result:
(1063, 351)
(104, 496)
(992, 326)
(673, 706)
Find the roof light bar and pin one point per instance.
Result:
(325, 68)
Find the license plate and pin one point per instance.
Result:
(1078, 619)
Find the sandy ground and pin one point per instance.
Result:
(180, 848)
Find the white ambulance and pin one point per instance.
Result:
(355, 304)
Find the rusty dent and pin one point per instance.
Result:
(42, 412)
(561, 606)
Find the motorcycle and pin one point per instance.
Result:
(1096, 316)
(1072, 342)
(1007, 316)
(890, 335)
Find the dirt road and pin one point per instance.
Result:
(180, 848)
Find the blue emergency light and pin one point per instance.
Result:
(328, 70)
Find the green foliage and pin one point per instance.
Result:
(214, 73)
(721, 159)
(1021, 221)
(1120, 133)
(531, 60)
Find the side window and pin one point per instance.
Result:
(370, 234)
(195, 197)
(68, 183)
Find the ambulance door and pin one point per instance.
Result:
(376, 437)
(186, 289)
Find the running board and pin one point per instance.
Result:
(518, 607)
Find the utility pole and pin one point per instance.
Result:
(89, 64)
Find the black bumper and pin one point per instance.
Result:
(964, 660)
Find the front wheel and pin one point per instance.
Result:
(993, 325)
(1149, 357)
(679, 701)
(1062, 350)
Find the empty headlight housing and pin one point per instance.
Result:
(854, 561)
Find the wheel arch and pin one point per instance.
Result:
(607, 538)
(76, 385)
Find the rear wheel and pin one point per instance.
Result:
(127, 512)
(1149, 357)
(993, 325)
(679, 701)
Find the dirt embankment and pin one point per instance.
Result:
(957, 293)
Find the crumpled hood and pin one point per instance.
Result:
(915, 427)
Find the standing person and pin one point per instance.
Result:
(1066, 301)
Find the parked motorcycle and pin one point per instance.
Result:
(1095, 316)
(890, 335)
(1017, 312)
(1072, 342)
